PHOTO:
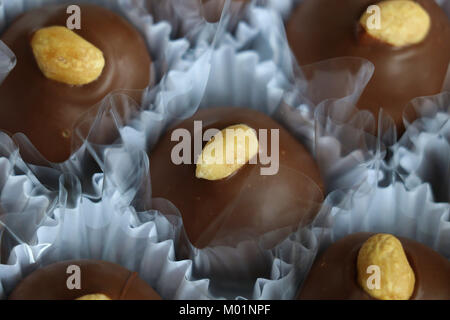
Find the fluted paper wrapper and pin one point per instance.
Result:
(423, 153)
(110, 230)
(143, 241)
(24, 203)
(391, 209)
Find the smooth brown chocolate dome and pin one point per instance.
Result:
(97, 277)
(46, 110)
(324, 29)
(246, 200)
(334, 274)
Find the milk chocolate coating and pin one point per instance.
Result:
(246, 200)
(324, 29)
(112, 280)
(46, 110)
(212, 9)
(334, 275)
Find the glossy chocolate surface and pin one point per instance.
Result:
(212, 9)
(245, 203)
(334, 277)
(46, 110)
(112, 280)
(324, 29)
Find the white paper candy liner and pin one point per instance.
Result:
(247, 26)
(423, 152)
(78, 227)
(242, 79)
(167, 56)
(393, 209)
(23, 202)
(104, 231)
(112, 230)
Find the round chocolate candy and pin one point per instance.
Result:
(224, 202)
(61, 73)
(336, 274)
(410, 47)
(99, 280)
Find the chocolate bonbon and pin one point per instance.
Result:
(218, 204)
(99, 280)
(61, 73)
(410, 61)
(335, 274)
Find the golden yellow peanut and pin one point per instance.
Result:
(94, 296)
(64, 56)
(397, 278)
(227, 152)
(402, 23)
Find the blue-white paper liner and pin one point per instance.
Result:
(394, 209)
(423, 152)
(24, 202)
(143, 241)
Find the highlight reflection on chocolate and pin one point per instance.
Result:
(246, 202)
(97, 278)
(325, 29)
(46, 110)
